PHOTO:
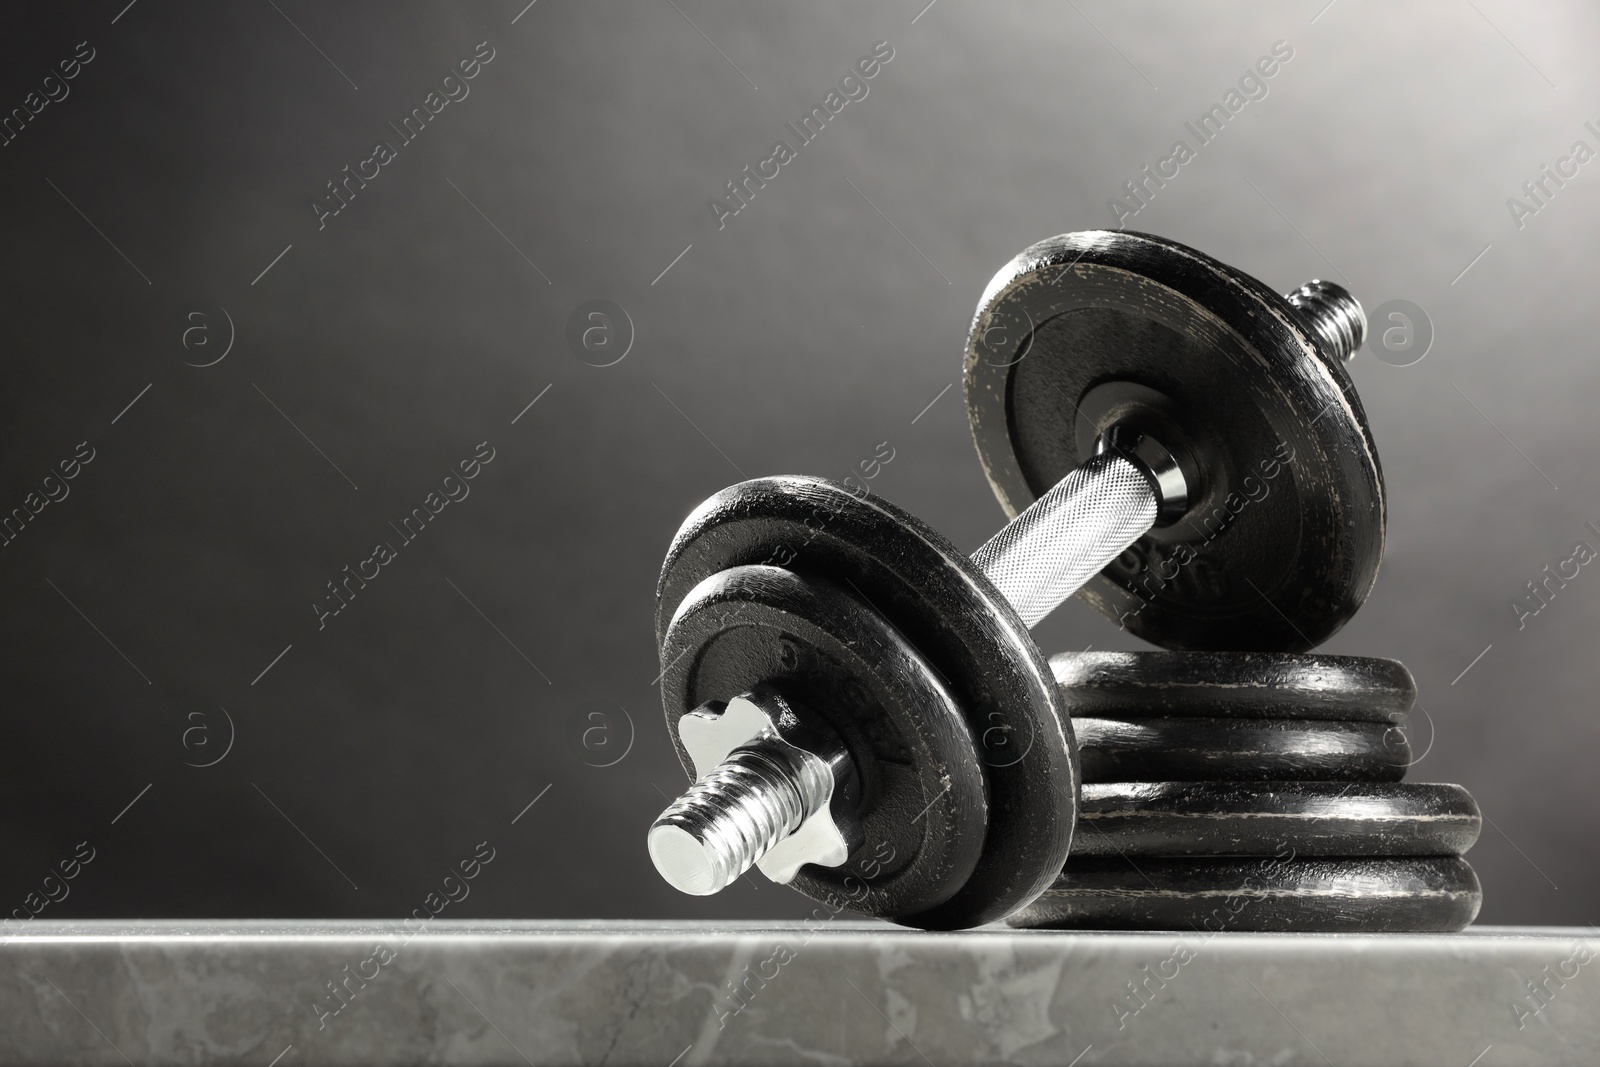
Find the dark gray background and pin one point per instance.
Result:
(448, 696)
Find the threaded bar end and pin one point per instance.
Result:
(730, 818)
(1334, 316)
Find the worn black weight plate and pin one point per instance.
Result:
(1269, 818)
(1284, 533)
(921, 803)
(947, 611)
(1234, 684)
(1239, 750)
(1203, 896)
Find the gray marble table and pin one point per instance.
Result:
(828, 993)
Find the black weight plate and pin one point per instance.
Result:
(1268, 818)
(1239, 750)
(1234, 684)
(1285, 529)
(947, 611)
(921, 803)
(1204, 896)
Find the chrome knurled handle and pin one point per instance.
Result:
(1068, 535)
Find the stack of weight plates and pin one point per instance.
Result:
(1254, 791)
